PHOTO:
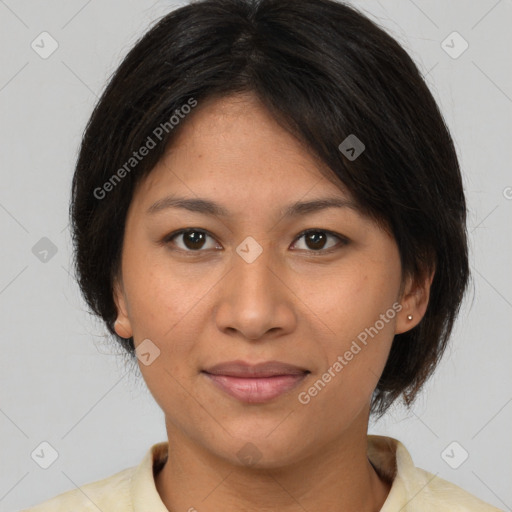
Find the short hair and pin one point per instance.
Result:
(324, 71)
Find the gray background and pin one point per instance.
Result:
(61, 382)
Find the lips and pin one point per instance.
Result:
(266, 369)
(256, 383)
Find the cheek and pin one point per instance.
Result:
(354, 365)
(360, 308)
(353, 301)
(164, 297)
(166, 308)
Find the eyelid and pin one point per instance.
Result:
(342, 239)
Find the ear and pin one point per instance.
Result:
(122, 324)
(414, 302)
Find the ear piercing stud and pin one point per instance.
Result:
(409, 317)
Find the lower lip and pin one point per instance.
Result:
(256, 390)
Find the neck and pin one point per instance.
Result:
(338, 476)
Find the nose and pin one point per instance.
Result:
(255, 299)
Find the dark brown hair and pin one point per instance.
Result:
(324, 71)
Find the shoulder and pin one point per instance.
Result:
(129, 490)
(110, 494)
(415, 489)
(440, 495)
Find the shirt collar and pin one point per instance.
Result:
(144, 493)
(393, 462)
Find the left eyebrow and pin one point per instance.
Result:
(205, 206)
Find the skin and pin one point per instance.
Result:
(295, 303)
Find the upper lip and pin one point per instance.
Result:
(266, 369)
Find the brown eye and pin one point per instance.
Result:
(194, 239)
(316, 240)
(191, 240)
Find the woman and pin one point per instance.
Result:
(268, 213)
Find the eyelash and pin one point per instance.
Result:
(342, 240)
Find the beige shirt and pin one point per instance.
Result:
(133, 489)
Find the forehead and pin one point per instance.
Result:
(232, 147)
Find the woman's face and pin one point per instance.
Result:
(246, 285)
